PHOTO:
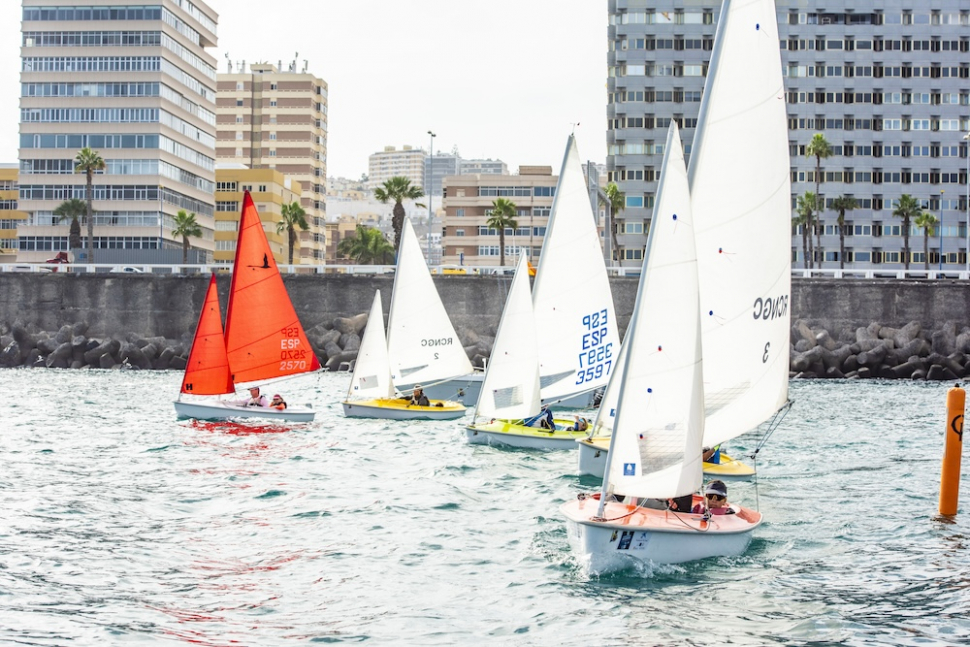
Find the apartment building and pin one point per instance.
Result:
(271, 117)
(438, 167)
(888, 85)
(391, 162)
(11, 217)
(270, 190)
(136, 84)
(467, 239)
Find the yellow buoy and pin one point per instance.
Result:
(950, 480)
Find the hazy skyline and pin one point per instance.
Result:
(503, 80)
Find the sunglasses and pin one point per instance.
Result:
(715, 497)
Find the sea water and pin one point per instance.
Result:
(120, 525)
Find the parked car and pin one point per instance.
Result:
(58, 260)
(126, 269)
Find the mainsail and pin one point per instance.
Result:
(741, 201)
(578, 338)
(421, 341)
(264, 338)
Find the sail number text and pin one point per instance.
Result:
(292, 357)
(768, 308)
(596, 358)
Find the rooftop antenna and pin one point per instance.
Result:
(228, 63)
(306, 64)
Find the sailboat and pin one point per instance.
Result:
(739, 183)
(263, 338)
(421, 346)
(510, 392)
(740, 196)
(658, 418)
(572, 299)
(574, 318)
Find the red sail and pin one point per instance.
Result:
(207, 371)
(264, 338)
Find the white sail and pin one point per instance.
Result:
(659, 427)
(421, 341)
(741, 201)
(511, 387)
(578, 338)
(372, 373)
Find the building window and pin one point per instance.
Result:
(459, 213)
(272, 103)
(239, 103)
(459, 232)
(240, 85)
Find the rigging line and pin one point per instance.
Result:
(775, 423)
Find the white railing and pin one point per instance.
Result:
(447, 270)
(876, 273)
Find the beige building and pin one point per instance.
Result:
(270, 190)
(11, 218)
(271, 118)
(136, 84)
(468, 199)
(407, 162)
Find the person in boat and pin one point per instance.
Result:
(715, 500)
(712, 455)
(581, 424)
(542, 420)
(255, 399)
(417, 397)
(278, 402)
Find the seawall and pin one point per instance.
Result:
(168, 305)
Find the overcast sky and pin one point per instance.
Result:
(502, 79)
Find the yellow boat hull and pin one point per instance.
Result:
(396, 409)
(593, 451)
(510, 434)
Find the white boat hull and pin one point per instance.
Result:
(398, 410)
(223, 410)
(464, 389)
(592, 459)
(633, 536)
(579, 401)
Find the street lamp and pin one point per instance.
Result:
(941, 230)
(430, 192)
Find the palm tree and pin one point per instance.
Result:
(502, 215)
(842, 204)
(73, 209)
(926, 221)
(397, 189)
(186, 227)
(366, 247)
(818, 148)
(293, 216)
(88, 161)
(806, 204)
(616, 201)
(907, 208)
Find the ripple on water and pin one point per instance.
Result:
(122, 523)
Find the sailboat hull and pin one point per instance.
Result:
(223, 410)
(631, 535)
(395, 409)
(501, 432)
(593, 453)
(463, 389)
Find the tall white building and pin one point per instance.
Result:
(136, 84)
(391, 162)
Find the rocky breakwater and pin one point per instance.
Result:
(335, 344)
(909, 352)
(68, 347)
